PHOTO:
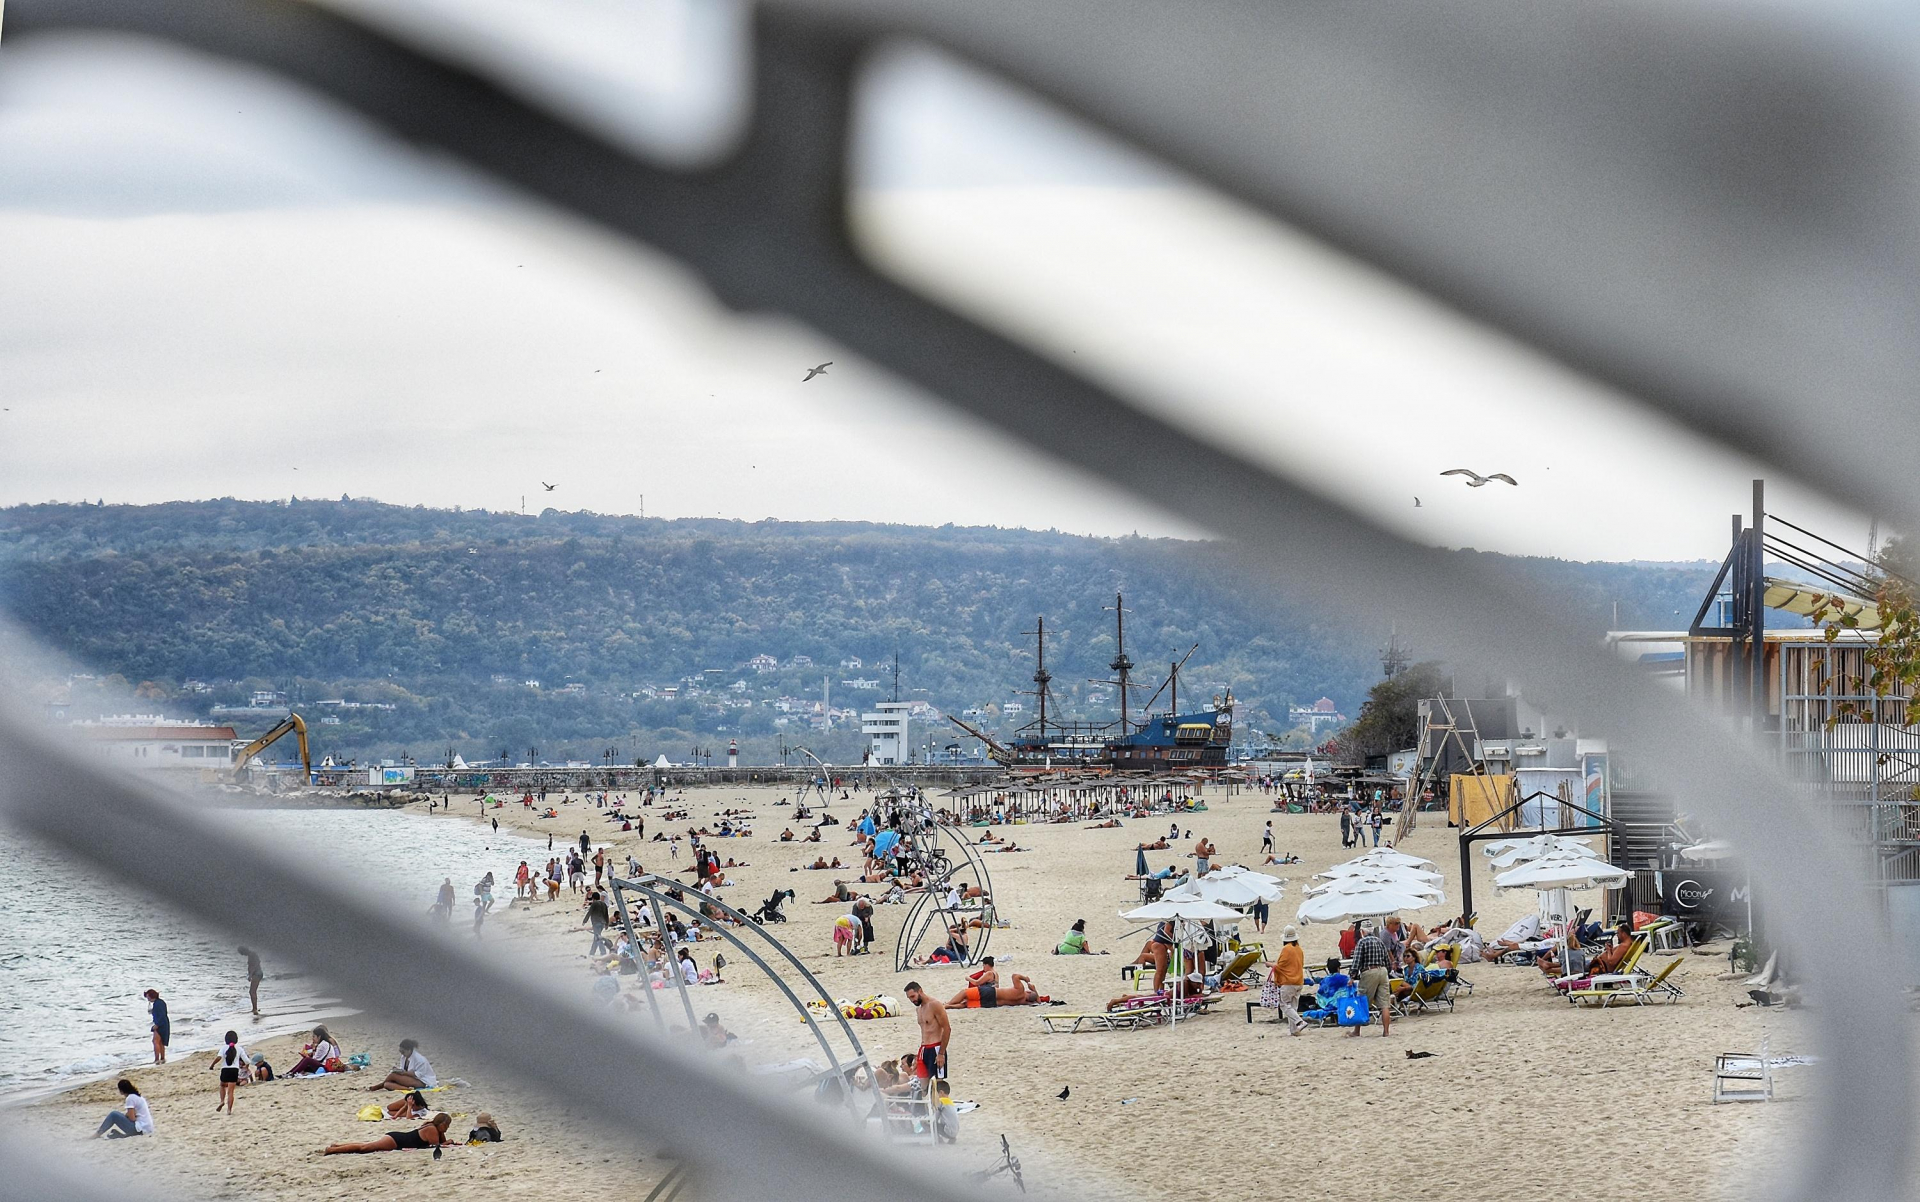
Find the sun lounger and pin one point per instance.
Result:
(1629, 970)
(1242, 965)
(1433, 989)
(1103, 1020)
(1636, 990)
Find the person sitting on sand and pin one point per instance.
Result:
(1108, 825)
(787, 836)
(814, 837)
(987, 836)
(817, 865)
(1020, 992)
(434, 1131)
(896, 1076)
(1075, 944)
(712, 1034)
(413, 1071)
(135, 1117)
(986, 974)
(315, 1058)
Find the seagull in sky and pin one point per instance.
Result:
(816, 371)
(1476, 480)
(1416, 502)
(548, 487)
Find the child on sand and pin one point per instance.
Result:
(230, 1061)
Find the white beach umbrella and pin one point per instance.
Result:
(1507, 852)
(1388, 856)
(1363, 884)
(1187, 911)
(1338, 907)
(1341, 871)
(1563, 872)
(1227, 890)
(1712, 849)
(1191, 910)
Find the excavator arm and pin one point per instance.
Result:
(292, 724)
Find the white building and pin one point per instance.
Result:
(886, 731)
(150, 741)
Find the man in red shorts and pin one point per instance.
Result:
(935, 1030)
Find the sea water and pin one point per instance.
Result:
(78, 951)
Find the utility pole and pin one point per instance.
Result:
(1757, 607)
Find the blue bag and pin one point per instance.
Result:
(1350, 1009)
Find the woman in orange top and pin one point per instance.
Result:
(1289, 974)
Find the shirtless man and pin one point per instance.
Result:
(935, 1032)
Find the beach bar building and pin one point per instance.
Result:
(147, 741)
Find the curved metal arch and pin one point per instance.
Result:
(655, 890)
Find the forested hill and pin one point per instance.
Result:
(445, 615)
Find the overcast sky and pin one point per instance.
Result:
(214, 286)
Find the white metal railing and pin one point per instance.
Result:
(1732, 287)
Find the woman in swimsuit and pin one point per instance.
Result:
(433, 1132)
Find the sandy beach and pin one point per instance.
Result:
(1519, 1082)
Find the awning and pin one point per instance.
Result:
(1797, 597)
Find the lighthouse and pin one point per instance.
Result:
(733, 753)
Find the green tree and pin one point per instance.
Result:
(1389, 719)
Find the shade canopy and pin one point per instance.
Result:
(1227, 890)
(1363, 884)
(1507, 852)
(1341, 871)
(1193, 910)
(1712, 849)
(1388, 856)
(1340, 907)
(1563, 872)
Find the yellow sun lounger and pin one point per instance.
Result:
(1638, 992)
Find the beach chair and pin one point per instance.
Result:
(1429, 989)
(1244, 966)
(1629, 970)
(1637, 990)
(1103, 1020)
(1743, 1076)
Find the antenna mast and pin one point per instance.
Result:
(1393, 657)
(896, 673)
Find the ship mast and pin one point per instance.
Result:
(1042, 679)
(1121, 665)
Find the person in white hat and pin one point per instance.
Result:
(1289, 975)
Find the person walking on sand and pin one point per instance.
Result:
(1374, 821)
(586, 845)
(1290, 976)
(255, 975)
(229, 1061)
(162, 1027)
(936, 1031)
(1266, 839)
(1346, 827)
(1370, 974)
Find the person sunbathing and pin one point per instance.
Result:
(814, 837)
(840, 894)
(434, 1131)
(1108, 825)
(1020, 992)
(787, 836)
(410, 1105)
(987, 836)
(817, 864)
(1159, 844)
(1286, 858)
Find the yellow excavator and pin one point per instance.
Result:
(291, 724)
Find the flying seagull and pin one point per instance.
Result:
(1475, 479)
(816, 371)
(1416, 502)
(548, 487)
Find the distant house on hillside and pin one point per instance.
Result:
(800, 661)
(763, 663)
(851, 664)
(1322, 713)
(860, 683)
(738, 686)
